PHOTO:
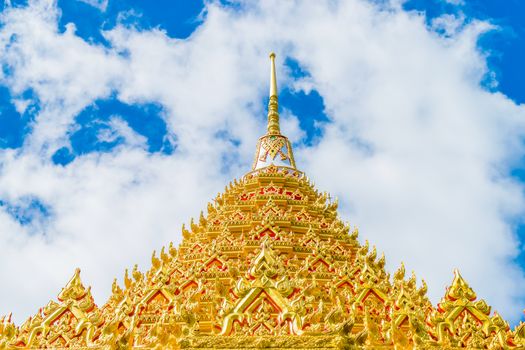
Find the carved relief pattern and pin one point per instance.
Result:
(273, 145)
(270, 265)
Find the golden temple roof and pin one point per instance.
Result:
(270, 265)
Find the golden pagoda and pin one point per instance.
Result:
(270, 265)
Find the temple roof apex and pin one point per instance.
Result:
(273, 147)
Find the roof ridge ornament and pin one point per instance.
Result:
(273, 148)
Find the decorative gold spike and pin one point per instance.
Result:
(202, 220)
(273, 104)
(172, 250)
(185, 233)
(273, 149)
(155, 262)
(460, 288)
(74, 289)
(127, 280)
(399, 275)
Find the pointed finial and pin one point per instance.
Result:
(74, 289)
(273, 78)
(460, 288)
(273, 104)
(274, 149)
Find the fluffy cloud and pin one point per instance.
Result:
(102, 5)
(64, 71)
(417, 152)
(455, 2)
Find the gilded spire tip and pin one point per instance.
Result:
(273, 104)
(273, 145)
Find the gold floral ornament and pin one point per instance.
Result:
(273, 146)
(72, 322)
(462, 321)
(270, 265)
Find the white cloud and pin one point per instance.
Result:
(448, 24)
(416, 150)
(455, 2)
(290, 123)
(119, 128)
(65, 72)
(102, 5)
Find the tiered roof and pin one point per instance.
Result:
(270, 265)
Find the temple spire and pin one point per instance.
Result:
(273, 103)
(273, 148)
(273, 79)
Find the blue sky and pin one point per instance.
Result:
(504, 47)
(113, 107)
